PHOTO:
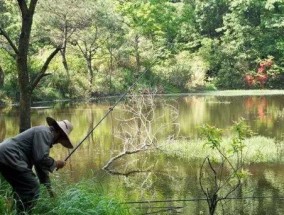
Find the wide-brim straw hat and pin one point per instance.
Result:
(65, 128)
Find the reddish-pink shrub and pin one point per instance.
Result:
(261, 77)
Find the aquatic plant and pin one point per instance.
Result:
(258, 149)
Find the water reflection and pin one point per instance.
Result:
(170, 178)
(263, 113)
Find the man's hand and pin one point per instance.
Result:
(60, 164)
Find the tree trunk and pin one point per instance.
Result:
(212, 202)
(64, 62)
(110, 70)
(26, 85)
(25, 109)
(63, 50)
(1, 77)
(22, 67)
(90, 70)
(25, 93)
(137, 54)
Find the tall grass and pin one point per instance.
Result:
(6, 200)
(257, 149)
(82, 198)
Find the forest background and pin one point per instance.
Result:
(184, 46)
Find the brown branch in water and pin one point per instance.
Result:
(127, 152)
(126, 174)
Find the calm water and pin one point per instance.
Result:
(163, 177)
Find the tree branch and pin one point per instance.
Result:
(200, 177)
(4, 33)
(32, 6)
(41, 74)
(126, 173)
(23, 7)
(142, 148)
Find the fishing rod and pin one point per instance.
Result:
(110, 110)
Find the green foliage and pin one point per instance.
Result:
(242, 130)
(209, 16)
(9, 19)
(229, 72)
(152, 18)
(187, 45)
(10, 75)
(215, 184)
(213, 136)
(4, 99)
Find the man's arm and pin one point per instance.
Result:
(44, 164)
(44, 179)
(42, 142)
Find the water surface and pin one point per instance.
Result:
(165, 177)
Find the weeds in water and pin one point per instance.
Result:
(257, 149)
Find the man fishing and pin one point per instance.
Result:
(19, 154)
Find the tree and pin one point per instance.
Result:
(209, 16)
(112, 42)
(223, 175)
(250, 32)
(103, 33)
(60, 19)
(20, 52)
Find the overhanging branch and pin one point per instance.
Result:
(42, 73)
(6, 36)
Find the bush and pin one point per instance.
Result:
(230, 77)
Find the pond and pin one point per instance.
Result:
(151, 175)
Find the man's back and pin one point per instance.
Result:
(21, 151)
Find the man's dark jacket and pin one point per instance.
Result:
(27, 149)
